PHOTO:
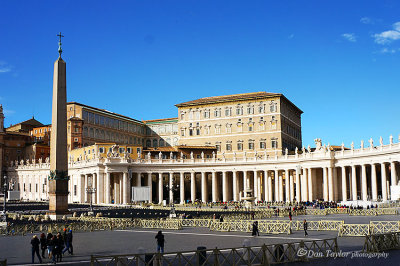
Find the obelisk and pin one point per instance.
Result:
(58, 178)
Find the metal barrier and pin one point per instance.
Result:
(196, 222)
(382, 227)
(268, 227)
(337, 211)
(253, 255)
(381, 242)
(162, 224)
(363, 212)
(354, 230)
(316, 212)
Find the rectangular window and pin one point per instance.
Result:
(121, 150)
(190, 132)
(101, 150)
(75, 190)
(218, 146)
(274, 143)
(24, 187)
(262, 144)
(240, 146)
(250, 128)
(138, 150)
(228, 147)
(251, 145)
(36, 188)
(198, 131)
(129, 150)
(182, 132)
(30, 187)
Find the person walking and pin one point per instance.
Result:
(43, 243)
(290, 215)
(255, 229)
(305, 226)
(58, 247)
(50, 245)
(160, 242)
(53, 243)
(35, 248)
(68, 243)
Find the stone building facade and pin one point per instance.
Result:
(251, 122)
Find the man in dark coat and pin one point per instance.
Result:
(160, 242)
(35, 242)
(255, 229)
(305, 226)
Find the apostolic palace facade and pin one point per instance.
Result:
(213, 150)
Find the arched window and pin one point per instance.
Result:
(161, 143)
(155, 143)
(148, 143)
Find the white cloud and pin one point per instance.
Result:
(366, 20)
(350, 37)
(388, 36)
(4, 67)
(387, 51)
(8, 112)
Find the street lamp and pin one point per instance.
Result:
(172, 188)
(5, 199)
(90, 190)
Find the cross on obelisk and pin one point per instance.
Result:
(58, 177)
(59, 43)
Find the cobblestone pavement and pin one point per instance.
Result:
(17, 248)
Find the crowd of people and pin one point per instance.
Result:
(56, 246)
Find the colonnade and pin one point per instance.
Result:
(364, 182)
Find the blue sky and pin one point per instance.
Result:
(336, 60)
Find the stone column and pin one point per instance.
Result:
(304, 185)
(235, 186)
(266, 194)
(150, 185)
(280, 188)
(245, 181)
(258, 187)
(276, 181)
(344, 184)
(160, 188)
(325, 181)
(107, 188)
(203, 187)
(310, 185)
(393, 174)
(298, 193)
(269, 188)
(224, 187)
(291, 187)
(353, 182)
(193, 186)
(182, 187)
(214, 186)
(287, 186)
(171, 192)
(364, 182)
(255, 186)
(330, 183)
(374, 187)
(384, 188)
(116, 188)
(125, 188)
(86, 186)
(139, 179)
